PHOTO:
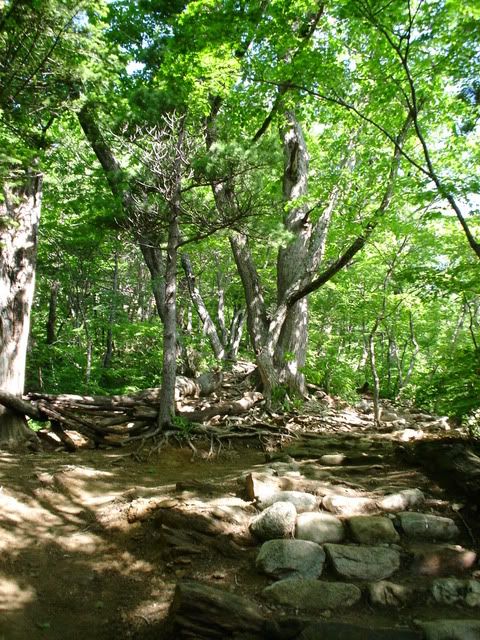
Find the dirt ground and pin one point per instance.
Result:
(69, 568)
(72, 566)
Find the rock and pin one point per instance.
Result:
(345, 631)
(373, 529)
(291, 559)
(425, 526)
(301, 500)
(455, 591)
(313, 595)
(203, 608)
(319, 527)
(451, 629)
(260, 486)
(362, 562)
(432, 560)
(401, 501)
(388, 416)
(405, 435)
(277, 521)
(333, 459)
(365, 406)
(390, 594)
(349, 506)
(285, 467)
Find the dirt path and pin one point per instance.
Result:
(72, 566)
(68, 566)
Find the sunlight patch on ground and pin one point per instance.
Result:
(13, 596)
(18, 512)
(127, 565)
(87, 543)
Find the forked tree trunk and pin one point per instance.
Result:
(19, 218)
(291, 348)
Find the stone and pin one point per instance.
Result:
(301, 500)
(365, 406)
(401, 501)
(390, 594)
(388, 416)
(313, 595)
(345, 631)
(434, 560)
(291, 559)
(363, 562)
(319, 527)
(277, 521)
(451, 629)
(405, 435)
(260, 486)
(333, 459)
(425, 526)
(348, 506)
(455, 591)
(373, 529)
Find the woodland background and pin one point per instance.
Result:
(329, 147)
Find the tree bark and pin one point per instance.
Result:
(19, 218)
(107, 358)
(169, 367)
(376, 379)
(291, 348)
(203, 313)
(52, 313)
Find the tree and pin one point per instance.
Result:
(38, 44)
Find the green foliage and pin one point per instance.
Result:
(472, 423)
(415, 285)
(183, 425)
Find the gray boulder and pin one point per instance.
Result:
(373, 529)
(349, 506)
(291, 559)
(301, 500)
(425, 526)
(319, 527)
(313, 595)
(277, 521)
(451, 629)
(363, 562)
(390, 594)
(437, 560)
(455, 591)
(402, 500)
(353, 631)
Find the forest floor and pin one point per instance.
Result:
(94, 543)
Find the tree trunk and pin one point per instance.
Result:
(203, 313)
(235, 335)
(19, 218)
(107, 358)
(169, 368)
(155, 261)
(376, 380)
(52, 313)
(291, 348)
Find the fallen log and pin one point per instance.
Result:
(250, 398)
(20, 405)
(118, 420)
